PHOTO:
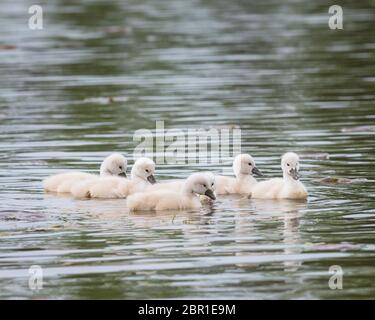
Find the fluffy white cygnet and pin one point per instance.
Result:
(114, 165)
(142, 175)
(244, 168)
(186, 198)
(288, 187)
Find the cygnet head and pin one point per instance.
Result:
(211, 178)
(114, 165)
(144, 168)
(201, 183)
(244, 164)
(290, 165)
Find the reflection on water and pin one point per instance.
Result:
(77, 90)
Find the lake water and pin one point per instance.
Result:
(273, 68)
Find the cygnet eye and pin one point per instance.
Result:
(212, 184)
(287, 164)
(147, 170)
(250, 164)
(204, 186)
(120, 167)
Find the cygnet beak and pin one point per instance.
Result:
(294, 173)
(209, 193)
(122, 174)
(151, 179)
(257, 172)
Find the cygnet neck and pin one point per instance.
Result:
(288, 178)
(104, 171)
(187, 190)
(245, 177)
(136, 177)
